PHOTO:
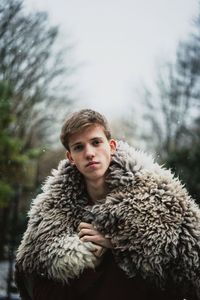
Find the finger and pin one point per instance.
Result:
(83, 232)
(99, 251)
(85, 225)
(88, 238)
(98, 239)
(93, 238)
(97, 248)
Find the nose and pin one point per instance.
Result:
(89, 152)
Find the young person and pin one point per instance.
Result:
(109, 224)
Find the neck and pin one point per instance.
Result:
(97, 190)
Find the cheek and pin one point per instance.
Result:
(79, 167)
(107, 156)
(76, 161)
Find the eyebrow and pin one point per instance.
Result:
(94, 138)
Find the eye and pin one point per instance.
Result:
(78, 148)
(96, 142)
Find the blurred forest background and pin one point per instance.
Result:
(35, 98)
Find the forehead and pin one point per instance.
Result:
(86, 134)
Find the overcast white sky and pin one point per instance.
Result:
(118, 42)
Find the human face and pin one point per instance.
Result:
(90, 151)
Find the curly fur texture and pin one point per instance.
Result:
(153, 223)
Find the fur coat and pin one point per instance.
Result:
(153, 223)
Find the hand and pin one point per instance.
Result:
(88, 233)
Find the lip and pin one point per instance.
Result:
(91, 163)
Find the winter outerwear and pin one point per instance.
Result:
(106, 282)
(152, 222)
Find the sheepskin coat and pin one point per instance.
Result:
(152, 222)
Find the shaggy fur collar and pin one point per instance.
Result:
(152, 222)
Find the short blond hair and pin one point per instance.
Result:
(80, 120)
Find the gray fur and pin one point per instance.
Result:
(153, 223)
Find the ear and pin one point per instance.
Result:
(69, 156)
(113, 145)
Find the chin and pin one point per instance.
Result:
(96, 175)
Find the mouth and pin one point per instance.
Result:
(92, 163)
